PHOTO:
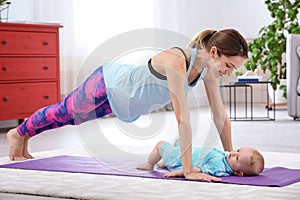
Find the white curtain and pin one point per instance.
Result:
(87, 24)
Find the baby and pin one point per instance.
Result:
(245, 161)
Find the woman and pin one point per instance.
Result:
(128, 92)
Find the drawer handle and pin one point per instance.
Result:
(5, 68)
(4, 42)
(45, 67)
(5, 99)
(47, 97)
(45, 43)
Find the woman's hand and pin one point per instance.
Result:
(195, 175)
(175, 173)
(201, 177)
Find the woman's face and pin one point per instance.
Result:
(226, 65)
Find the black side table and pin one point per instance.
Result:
(232, 102)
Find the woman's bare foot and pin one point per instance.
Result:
(25, 151)
(16, 144)
(145, 166)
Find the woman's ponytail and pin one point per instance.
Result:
(229, 42)
(200, 40)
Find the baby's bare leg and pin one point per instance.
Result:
(162, 164)
(16, 144)
(153, 158)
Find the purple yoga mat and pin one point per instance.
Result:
(276, 176)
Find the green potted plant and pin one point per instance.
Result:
(4, 4)
(268, 49)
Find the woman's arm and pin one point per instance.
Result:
(220, 116)
(175, 70)
(176, 83)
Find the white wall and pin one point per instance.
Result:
(247, 16)
(86, 24)
(101, 19)
(190, 17)
(21, 10)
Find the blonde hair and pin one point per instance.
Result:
(229, 42)
(256, 165)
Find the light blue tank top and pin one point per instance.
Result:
(133, 91)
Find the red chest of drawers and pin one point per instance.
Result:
(29, 68)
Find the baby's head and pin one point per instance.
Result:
(246, 161)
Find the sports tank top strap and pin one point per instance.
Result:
(192, 60)
(162, 77)
(186, 59)
(203, 72)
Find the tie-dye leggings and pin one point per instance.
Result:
(89, 101)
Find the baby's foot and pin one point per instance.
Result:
(16, 143)
(25, 148)
(145, 166)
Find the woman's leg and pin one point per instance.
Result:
(78, 107)
(100, 111)
(87, 102)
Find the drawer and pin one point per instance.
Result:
(27, 68)
(26, 97)
(17, 42)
